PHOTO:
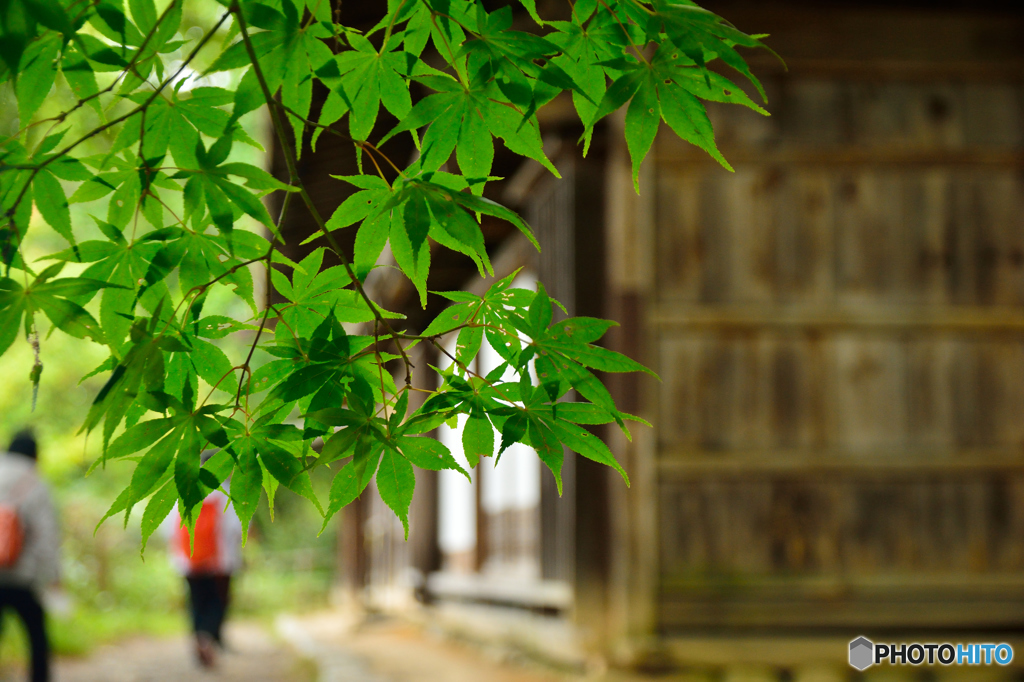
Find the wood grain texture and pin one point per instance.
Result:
(839, 327)
(849, 525)
(845, 390)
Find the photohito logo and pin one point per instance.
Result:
(864, 653)
(861, 653)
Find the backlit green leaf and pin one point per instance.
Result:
(159, 506)
(37, 73)
(477, 438)
(53, 204)
(395, 483)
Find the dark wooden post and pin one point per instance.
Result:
(352, 563)
(633, 555)
(591, 485)
(425, 553)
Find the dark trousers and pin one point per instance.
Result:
(27, 606)
(209, 596)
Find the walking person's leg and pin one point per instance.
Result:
(222, 586)
(27, 605)
(5, 601)
(195, 600)
(205, 606)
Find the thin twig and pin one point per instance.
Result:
(106, 126)
(467, 370)
(130, 67)
(444, 39)
(361, 143)
(628, 37)
(246, 367)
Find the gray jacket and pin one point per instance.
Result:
(38, 565)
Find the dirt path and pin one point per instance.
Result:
(393, 651)
(252, 656)
(329, 647)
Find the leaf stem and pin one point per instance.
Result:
(444, 39)
(625, 32)
(467, 370)
(391, 25)
(360, 143)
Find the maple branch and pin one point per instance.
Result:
(296, 180)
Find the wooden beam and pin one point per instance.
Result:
(555, 595)
(676, 152)
(955, 600)
(886, 319)
(683, 463)
(882, 70)
(817, 35)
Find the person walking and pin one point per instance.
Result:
(29, 546)
(207, 562)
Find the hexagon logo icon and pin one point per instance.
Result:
(862, 653)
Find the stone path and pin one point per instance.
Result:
(393, 651)
(253, 656)
(329, 648)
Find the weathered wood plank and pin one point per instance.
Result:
(681, 250)
(806, 240)
(871, 255)
(840, 527)
(840, 334)
(993, 114)
(927, 236)
(926, 221)
(930, 399)
(870, 393)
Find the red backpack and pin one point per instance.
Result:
(203, 554)
(12, 532)
(11, 536)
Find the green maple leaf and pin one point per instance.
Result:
(163, 156)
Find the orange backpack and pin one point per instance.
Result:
(11, 528)
(12, 535)
(203, 554)
(12, 532)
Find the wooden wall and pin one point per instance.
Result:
(839, 327)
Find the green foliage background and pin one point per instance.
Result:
(151, 185)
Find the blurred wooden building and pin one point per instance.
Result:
(839, 327)
(838, 441)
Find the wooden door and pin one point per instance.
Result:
(839, 327)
